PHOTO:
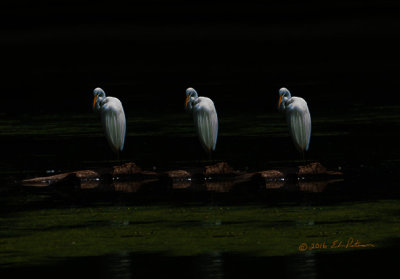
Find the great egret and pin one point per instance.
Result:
(112, 117)
(298, 118)
(205, 119)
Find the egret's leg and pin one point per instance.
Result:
(119, 157)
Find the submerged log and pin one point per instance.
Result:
(220, 169)
(316, 169)
(126, 169)
(48, 180)
(174, 174)
(271, 174)
(179, 179)
(220, 177)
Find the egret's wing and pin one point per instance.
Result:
(114, 123)
(206, 122)
(299, 121)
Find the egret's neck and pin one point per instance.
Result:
(285, 101)
(192, 102)
(99, 102)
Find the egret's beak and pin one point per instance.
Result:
(280, 101)
(187, 101)
(94, 101)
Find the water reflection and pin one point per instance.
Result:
(274, 184)
(357, 264)
(316, 186)
(119, 266)
(220, 186)
(181, 183)
(211, 265)
(90, 184)
(130, 265)
(302, 265)
(130, 186)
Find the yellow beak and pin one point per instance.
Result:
(280, 101)
(187, 101)
(94, 101)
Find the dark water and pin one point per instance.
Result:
(207, 232)
(220, 265)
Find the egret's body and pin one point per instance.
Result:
(298, 118)
(205, 119)
(112, 117)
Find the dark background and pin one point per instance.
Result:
(335, 54)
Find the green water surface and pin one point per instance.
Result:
(37, 236)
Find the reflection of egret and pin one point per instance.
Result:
(298, 118)
(205, 119)
(112, 117)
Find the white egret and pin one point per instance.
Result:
(298, 118)
(112, 117)
(205, 119)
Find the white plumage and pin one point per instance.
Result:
(298, 118)
(112, 117)
(205, 119)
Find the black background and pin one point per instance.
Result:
(239, 53)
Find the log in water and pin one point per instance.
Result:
(219, 177)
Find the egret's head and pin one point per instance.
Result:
(284, 94)
(98, 95)
(191, 95)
